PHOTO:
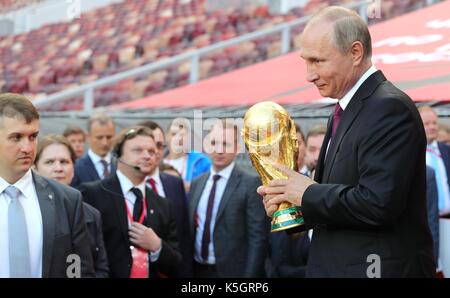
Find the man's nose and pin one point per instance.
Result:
(27, 145)
(311, 75)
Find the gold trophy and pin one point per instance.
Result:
(270, 137)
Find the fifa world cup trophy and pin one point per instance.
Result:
(270, 137)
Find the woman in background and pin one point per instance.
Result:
(55, 159)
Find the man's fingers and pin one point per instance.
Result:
(261, 190)
(275, 200)
(270, 210)
(278, 182)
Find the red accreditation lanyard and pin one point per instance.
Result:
(432, 151)
(139, 268)
(143, 214)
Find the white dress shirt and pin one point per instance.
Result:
(158, 182)
(126, 186)
(96, 160)
(202, 208)
(29, 200)
(435, 161)
(179, 164)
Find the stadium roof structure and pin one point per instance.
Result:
(412, 50)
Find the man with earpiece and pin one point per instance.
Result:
(139, 228)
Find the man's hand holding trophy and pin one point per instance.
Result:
(270, 138)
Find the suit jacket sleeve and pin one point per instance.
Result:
(80, 239)
(433, 210)
(170, 257)
(257, 230)
(386, 144)
(101, 263)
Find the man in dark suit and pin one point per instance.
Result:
(97, 163)
(94, 226)
(226, 216)
(138, 225)
(172, 188)
(368, 207)
(42, 228)
(438, 158)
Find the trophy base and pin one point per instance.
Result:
(285, 219)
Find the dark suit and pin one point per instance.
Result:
(433, 210)
(85, 171)
(175, 192)
(64, 229)
(94, 226)
(444, 149)
(371, 196)
(241, 228)
(288, 254)
(106, 195)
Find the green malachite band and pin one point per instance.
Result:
(285, 211)
(287, 223)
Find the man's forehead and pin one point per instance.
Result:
(313, 37)
(142, 139)
(17, 123)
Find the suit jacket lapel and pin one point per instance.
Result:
(112, 186)
(349, 115)
(233, 182)
(46, 199)
(151, 199)
(166, 185)
(90, 168)
(195, 198)
(318, 176)
(113, 165)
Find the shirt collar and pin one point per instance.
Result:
(434, 145)
(224, 173)
(344, 101)
(96, 158)
(155, 177)
(23, 184)
(126, 184)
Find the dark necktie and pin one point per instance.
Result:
(336, 118)
(152, 183)
(206, 228)
(137, 209)
(105, 168)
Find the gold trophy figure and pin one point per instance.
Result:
(270, 137)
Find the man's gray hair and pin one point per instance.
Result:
(101, 118)
(348, 27)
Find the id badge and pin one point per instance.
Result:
(139, 268)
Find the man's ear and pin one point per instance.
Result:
(357, 52)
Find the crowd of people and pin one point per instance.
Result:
(142, 203)
(218, 230)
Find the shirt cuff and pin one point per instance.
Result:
(154, 256)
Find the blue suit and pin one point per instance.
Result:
(85, 171)
(433, 210)
(175, 192)
(445, 153)
(288, 254)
